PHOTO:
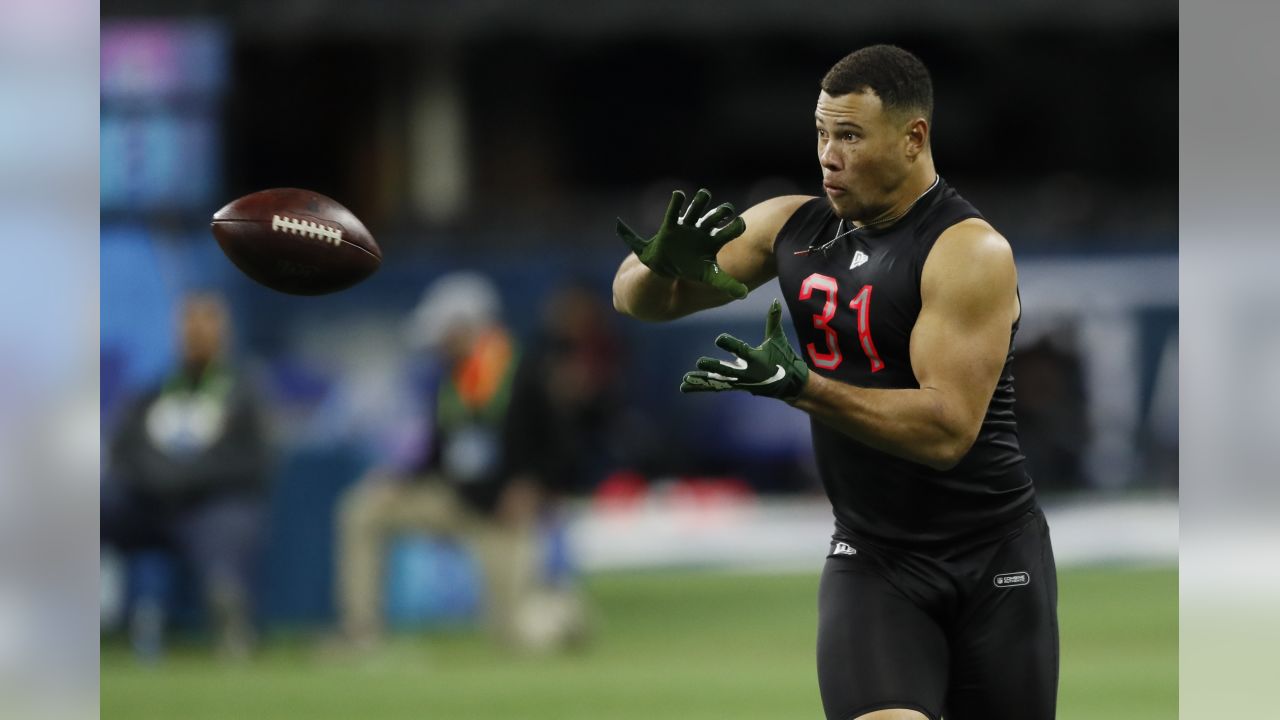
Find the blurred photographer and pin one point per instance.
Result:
(471, 482)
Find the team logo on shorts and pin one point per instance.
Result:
(844, 549)
(1013, 579)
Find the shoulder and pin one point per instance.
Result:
(146, 397)
(969, 242)
(766, 219)
(242, 385)
(970, 254)
(132, 411)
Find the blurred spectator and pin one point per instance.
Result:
(485, 477)
(570, 392)
(187, 474)
(590, 427)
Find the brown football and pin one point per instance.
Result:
(296, 241)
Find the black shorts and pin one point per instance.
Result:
(967, 634)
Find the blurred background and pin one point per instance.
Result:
(503, 139)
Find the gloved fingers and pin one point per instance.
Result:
(735, 228)
(673, 209)
(730, 368)
(629, 236)
(697, 381)
(697, 206)
(722, 281)
(717, 215)
(773, 321)
(732, 344)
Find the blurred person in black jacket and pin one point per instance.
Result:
(188, 473)
(485, 476)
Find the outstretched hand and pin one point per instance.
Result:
(772, 369)
(686, 244)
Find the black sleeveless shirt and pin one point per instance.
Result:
(854, 303)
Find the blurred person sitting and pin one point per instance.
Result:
(475, 481)
(187, 473)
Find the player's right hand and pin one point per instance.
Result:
(686, 243)
(771, 369)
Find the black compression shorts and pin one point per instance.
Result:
(969, 634)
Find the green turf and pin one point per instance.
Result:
(668, 645)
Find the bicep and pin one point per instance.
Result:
(749, 257)
(968, 306)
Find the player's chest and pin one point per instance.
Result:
(854, 306)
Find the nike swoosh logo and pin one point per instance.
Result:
(776, 377)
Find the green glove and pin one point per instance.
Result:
(686, 244)
(772, 369)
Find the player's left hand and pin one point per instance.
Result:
(772, 369)
(687, 243)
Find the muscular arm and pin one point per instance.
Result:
(645, 295)
(969, 302)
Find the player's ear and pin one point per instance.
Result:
(916, 136)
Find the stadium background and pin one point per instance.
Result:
(505, 137)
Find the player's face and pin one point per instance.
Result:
(861, 151)
(203, 330)
(458, 341)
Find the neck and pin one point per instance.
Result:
(194, 368)
(918, 182)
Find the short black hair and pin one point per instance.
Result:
(895, 75)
